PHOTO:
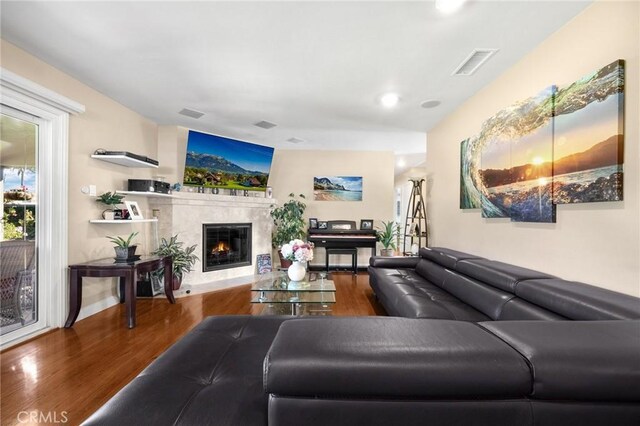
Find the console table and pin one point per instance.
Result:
(128, 273)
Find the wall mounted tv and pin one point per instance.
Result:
(217, 162)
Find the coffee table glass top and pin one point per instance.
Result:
(280, 282)
(276, 287)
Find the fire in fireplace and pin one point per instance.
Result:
(225, 245)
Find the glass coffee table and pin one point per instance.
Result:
(275, 288)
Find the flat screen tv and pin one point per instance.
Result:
(217, 162)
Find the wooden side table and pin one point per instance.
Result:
(128, 273)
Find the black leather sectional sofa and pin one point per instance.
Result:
(486, 343)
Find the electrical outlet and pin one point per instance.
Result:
(92, 190)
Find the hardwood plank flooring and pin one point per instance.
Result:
(72, 372)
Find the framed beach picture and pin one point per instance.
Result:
(135, 213)
(337, 188)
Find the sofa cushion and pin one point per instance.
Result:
(212, 375)
(444, 256)
(517, 309)
(431, 271)
(482, 297)
(393, 357)
(577, 360)
(579, 301)
(498, 274)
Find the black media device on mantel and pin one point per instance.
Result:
(148, 185)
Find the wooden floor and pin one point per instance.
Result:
(72, 372)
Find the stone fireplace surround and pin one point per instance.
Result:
(185, 212)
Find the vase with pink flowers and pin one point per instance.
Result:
(299, 253)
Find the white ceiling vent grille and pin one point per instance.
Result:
(295, 140)
(475, 60)
(265, 124)
(191, 113)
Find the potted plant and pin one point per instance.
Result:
(111, 199)
(387, 236)
(124, 249)
(183, 258)
(289, 224)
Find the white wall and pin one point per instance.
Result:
(597, 243)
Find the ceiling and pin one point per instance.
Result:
(316, 69)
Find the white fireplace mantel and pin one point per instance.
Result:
(184, 214)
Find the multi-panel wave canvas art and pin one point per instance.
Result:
(564, 145)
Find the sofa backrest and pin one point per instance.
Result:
(579, 301)
(444, 256)
(508, 292)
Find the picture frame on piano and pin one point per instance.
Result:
(322, 224)
(366, 224)
(313, 223)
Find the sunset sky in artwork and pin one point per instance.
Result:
(580, 130)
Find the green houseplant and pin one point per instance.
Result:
(111, 199)
(183, 258)
(289, 224)
(123, 247)
(387, 236)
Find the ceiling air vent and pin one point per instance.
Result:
(191, 113)
(295, 140)
(265, 124)
(475, 60)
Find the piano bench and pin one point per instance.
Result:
(352, 251)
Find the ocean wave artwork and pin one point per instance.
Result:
(564, 145)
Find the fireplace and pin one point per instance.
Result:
(225, 245)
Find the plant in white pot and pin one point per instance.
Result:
(387, 236)
(110, 199)
(183, 258)
(123, 247)
(289, 224)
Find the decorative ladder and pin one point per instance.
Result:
(415, 228)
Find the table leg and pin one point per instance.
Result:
(75, 297)
(130, 297)
(168, 279)
(122, 289)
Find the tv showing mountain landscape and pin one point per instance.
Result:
(217, 162)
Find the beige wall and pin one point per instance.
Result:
(294, 170)
(597, 243)
(172, 152)
(105, 124)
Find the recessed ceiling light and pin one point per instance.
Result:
(401, 163)
(389, 100)
(430, 103)
(449, 6)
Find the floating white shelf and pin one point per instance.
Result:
(145, 194)
(122, 221)
(123, 160)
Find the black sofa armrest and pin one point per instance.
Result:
(394, 262)
(392, 357)
(578, 360)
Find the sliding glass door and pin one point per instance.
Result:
(19, 284)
